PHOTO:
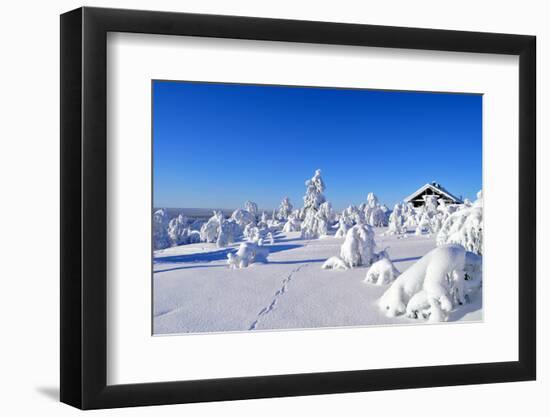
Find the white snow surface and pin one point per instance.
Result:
(194, 289)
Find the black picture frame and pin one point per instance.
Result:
(84, 207)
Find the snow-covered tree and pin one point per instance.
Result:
(396, 226)
(464, 227)
(293, 223)
(355, 215)
(317, 213)
(180, 232)
(409, 216)
(252, 233)
(358, 247)
(228, 231)
(430, 204)
(210, 230)
(264, 219)
(317, 222)
(314, 197)
(373, 213)
(285, 209)
(343, 227)
(377, 217)
(436, 223)
(443, 279)
(424, 225)
(252, 208)
(161, 239)
(243, 217)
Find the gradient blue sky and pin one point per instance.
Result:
(218, 145)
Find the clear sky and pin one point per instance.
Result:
(218, 145)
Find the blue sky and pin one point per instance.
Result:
(218, 145)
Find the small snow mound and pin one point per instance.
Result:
(248, 253)
(335, 262)
(382, 272)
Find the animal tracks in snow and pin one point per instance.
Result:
(278, 294)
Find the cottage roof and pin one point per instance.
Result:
(434, 186)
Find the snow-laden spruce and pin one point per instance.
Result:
(285, 210)
(357, 249)
(431, 288)
(248, 253)
(464, 227)
(317, 223)
(317, 215)
(315, 187)
(161, 239)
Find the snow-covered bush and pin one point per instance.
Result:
(248, 253)
(293, 224)
(285, 209)
(161, 239)
(382, 272)
(358, 247)
(438, 282)
(464, 227)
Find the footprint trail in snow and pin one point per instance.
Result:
(278, 294)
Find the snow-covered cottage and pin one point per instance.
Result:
(433, 188)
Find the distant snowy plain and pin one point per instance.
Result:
(194, 290)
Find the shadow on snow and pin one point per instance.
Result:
(218, 255)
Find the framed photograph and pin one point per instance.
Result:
(257, 208)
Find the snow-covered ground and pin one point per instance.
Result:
(194, 290)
